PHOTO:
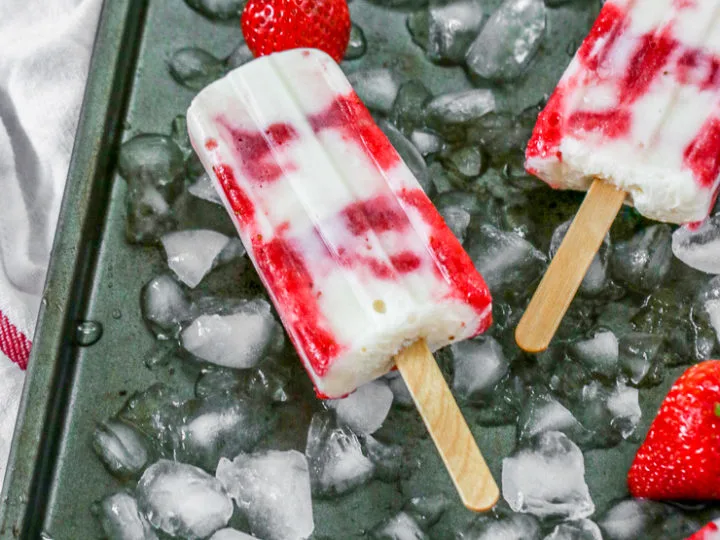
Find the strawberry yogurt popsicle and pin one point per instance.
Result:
(362, 269)
(358, 262)
(636, 119)
(639, 107)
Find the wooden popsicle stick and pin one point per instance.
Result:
(447, 427)
(569, 266)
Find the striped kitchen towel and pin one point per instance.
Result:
(45, 47)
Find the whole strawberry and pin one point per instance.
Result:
(277, 25)
(680, 458)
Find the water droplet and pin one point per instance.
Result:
(116, 314)
(88, 333)
(357, 44)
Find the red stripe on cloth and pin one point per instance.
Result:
(13, 342)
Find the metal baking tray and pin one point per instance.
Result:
(95, 275)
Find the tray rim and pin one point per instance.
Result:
(51, 368)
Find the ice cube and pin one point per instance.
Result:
(122, 450)
(240, 56)
(409, 154)
(699, 247)
(149, 215)
(389, 459)
(640, 358)
(365, 410)
(458, 108)
(408, 110)
(683, 325)
(357, 45)
(191, 253)
(221, 426)
(441, 179)
(337, 464)
(154, 167)
(399, 527)
(479, 364)
(509, 263)
(237, 340)
(643, 261)
(613, 413)
(153, 159)
(583, 529)
(596, 277)
(599, 353)
(183, 500)
(466, 200)
(418, 23)
(502, 134)
(499, 526)
(272, 490)
(231, 534)
(632, 519)
(154, 412)
(165, 306)
(266, 382)
(203, 188)
(467, 161)
(377, 88)
(218, 9)
(426, 141)
(712, 308)
(120, 519)
(452, 28)
(544, 413)
(624, 407)
(458, 219)
(195, 68)
(547, 479)
(508, 41)
(427, 510)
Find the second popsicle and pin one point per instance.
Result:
(636, 118)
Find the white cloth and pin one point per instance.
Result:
(45, 47)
